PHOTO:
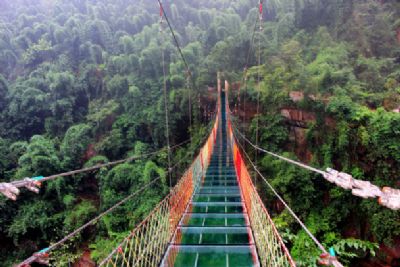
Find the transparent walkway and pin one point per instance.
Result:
(214, 231)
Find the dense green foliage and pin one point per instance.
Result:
(81, 84)
(342, 58)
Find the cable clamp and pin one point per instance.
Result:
(9, 190)
(390, 198)
(32, 185)
(341, 179)
(42, 257)
(329, 259)
(365, 189)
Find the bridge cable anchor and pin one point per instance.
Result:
(41, 257)
(329, 259)
(390, 198)
(9, 191)
(32, 185)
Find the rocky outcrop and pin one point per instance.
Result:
(298, 115)
(299, 121)
(85, 260)
(90, 152)
(398, 35)
(392, 253)
(302, 118)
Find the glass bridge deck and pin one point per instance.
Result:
(214, 230)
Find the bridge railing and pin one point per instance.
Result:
(147, 243)
(271, 249)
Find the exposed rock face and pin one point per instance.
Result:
(298, 115)
(392, 253)
(85, 260)
(90, 152)
(398, 35)
(298, 121)
(301, 148)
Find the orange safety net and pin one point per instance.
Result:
(178, 201)
(270, 246)
(146, 244)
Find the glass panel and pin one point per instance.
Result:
(215, 256)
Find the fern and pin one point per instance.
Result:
(350, 248)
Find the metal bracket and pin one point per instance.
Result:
(9, 190)
(390, 198)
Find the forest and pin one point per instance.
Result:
(81, 83)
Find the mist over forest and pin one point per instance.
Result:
(81, 83)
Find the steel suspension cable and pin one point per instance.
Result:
(91, 222)
(97, 218)
(251, 44)
(162, 11)
(387, 196)
(258, 74)
(126, 238)
(190, 104)
(192, 151)
(10, 189)
(321, 247)
(166, 102)
(244, 77)
(302, 165)
(44, 252)
(332, 259)
(188, 72)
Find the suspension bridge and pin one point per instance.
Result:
(214, 215)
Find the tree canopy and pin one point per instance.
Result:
(81, 83)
